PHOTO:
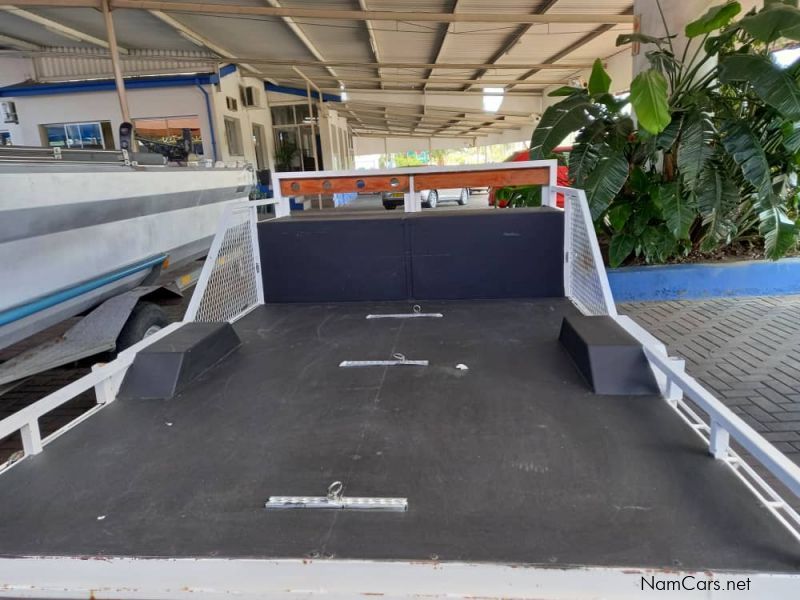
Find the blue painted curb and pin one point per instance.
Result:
(698, 281)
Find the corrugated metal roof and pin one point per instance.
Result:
(156, 46)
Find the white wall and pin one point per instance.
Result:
(245, 117)
(15, 70)
(34, 111)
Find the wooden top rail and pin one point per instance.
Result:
(424, 178)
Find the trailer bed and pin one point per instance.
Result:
(514, 460)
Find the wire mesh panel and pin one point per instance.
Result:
(585, 279)
(229, 284)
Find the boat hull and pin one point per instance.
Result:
(65, 226)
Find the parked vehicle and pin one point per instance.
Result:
(429, 198)
(562, 174)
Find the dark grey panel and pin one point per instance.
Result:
(610, 359)
(30, 222)
(166, 367)
(514, 460)
(512, 253)
(464, 255)
(333, 261)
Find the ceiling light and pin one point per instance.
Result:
(492, 98)
(342, 93)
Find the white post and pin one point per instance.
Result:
(113, 49)
(31, 438)
(719, 441)
(411, 198)
(253, 216)
(107, 389)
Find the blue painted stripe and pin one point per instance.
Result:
(103, 85)
(697, 281)
(20, 312)
(282, 89)
(223, 72)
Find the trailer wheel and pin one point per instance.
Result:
(146, 318)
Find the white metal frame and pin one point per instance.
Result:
(722, 424)
(246, 579)
(251, 207)
(412, 200)
(105, 379)
(136, 578)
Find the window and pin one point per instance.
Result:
(5, 138)
(233, 135)
(249, 95)
(87, 136)
(231, 103)
(173, 137)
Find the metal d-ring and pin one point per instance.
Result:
(398, 356)
(335, 491)
(417, 309)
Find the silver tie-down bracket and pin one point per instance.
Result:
(398, 360)
(416, 313)
(336, 501)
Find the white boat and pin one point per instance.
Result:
(79, 229)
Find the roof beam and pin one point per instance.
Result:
(7, 40)
(442, 41)
(534, 93)
(201, 39)
(462, 116)
(514, 38)
(56, 27)
(597, 32)
(442, 109)
(373, 41)
(441, 80)
(355, 65)
(298, 32)
(365, 15)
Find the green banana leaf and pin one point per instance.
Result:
(558, 121)
(772, 84)
(715, 17)
(649, 100)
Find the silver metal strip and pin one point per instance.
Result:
(336, 501)
(399, 360)
(415, 314)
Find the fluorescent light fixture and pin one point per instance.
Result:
(492, 98)
(343, 93)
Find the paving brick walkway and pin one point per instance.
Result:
(744, 350)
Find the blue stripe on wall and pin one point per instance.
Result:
(103, 85)
(282, 89)
(698, 281)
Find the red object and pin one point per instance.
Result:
(562, 176)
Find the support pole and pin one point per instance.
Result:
(115, 62)
(313, 134)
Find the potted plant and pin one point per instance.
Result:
(714, 152)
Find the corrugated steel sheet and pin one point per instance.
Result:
(84, 63)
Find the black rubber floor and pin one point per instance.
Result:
(512, 460)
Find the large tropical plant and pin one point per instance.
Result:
(715, 148)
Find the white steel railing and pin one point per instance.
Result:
(230, 283)
(104, 379)
(585, 280)
(586, 284)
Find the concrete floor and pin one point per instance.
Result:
(746, 351)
